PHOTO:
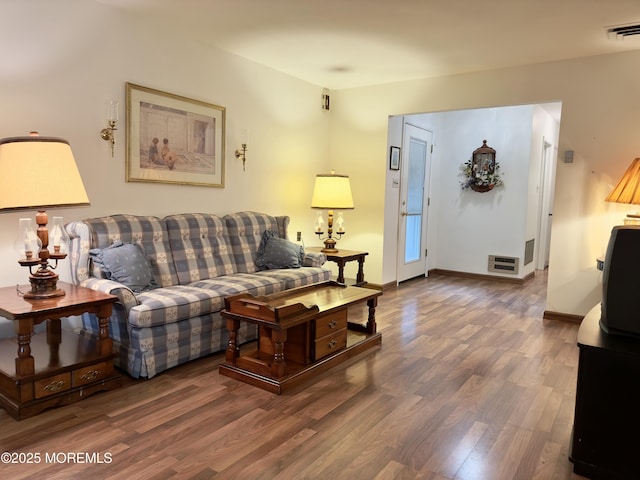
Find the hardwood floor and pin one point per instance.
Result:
(470, 383)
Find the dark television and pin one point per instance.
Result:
(621, 282)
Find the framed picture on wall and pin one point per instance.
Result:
(394, 158)
(173, 139)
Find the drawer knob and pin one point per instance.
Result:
(332, 343)
(90, 375)
(54, 386)
(333, 323)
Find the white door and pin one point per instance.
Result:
(415, 167)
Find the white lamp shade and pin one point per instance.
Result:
(39, 172)
(332, 191)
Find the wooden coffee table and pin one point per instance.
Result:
(301, 333)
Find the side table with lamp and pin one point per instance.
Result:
(333, 192)
(38, 372)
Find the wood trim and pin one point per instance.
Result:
(480, 276)
(385, 287)
(562, 317)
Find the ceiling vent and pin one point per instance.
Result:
(620, 32)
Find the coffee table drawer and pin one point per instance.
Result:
(330, 343)
(330, 323)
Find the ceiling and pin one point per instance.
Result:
(351, 43)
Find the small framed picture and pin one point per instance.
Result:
(394, 158)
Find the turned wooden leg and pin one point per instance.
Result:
(54, 337)
(371, 320)
(233, 351)
(24, 362)
(360, 275)
(105, 343)
(279, 365)
(340, 271)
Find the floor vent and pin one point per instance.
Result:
(500, 264)
(620, 32)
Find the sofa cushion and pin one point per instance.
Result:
(200, 246)
(275, 252)
(124, 263)
(252, 283)
(147, 231)
(174, 304)
(245, 233)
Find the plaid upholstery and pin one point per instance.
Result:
(200, 246)
(173, 304)
(298, 277)
(148, 232)
(149, 351)
(254, 284)
(245, 231)
(198, 259)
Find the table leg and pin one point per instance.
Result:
(25, 363)
(233, 350)
(54, 337)
(340, 263)
(371, 320)
(360, 275)
(105, 343)
(278, 338)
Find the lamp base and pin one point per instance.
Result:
(329, 246)
(44, 284)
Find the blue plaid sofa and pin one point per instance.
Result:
(195, 261)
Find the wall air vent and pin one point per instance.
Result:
(528, 251)
(620, 32)
(502, 264)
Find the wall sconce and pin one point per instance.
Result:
(326, 100)
(242, 151)
(112, 119)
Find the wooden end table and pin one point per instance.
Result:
(301, 332)
(341, 257)
(60, 367)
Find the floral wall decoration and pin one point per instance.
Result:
(481, 173)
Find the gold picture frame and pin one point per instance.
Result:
(173, 139)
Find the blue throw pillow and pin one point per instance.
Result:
(275, 252)
(125, 263)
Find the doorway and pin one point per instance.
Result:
(464, 229)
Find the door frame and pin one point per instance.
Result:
(420, 266)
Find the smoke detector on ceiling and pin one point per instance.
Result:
(620, 32)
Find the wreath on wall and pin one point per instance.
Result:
(481, 172)
(479, 179)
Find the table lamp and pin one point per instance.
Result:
(331, 192)
(628, 191)
(37, 173)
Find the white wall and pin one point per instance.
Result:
(472, 225)
(62, 60)
(600, 102)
